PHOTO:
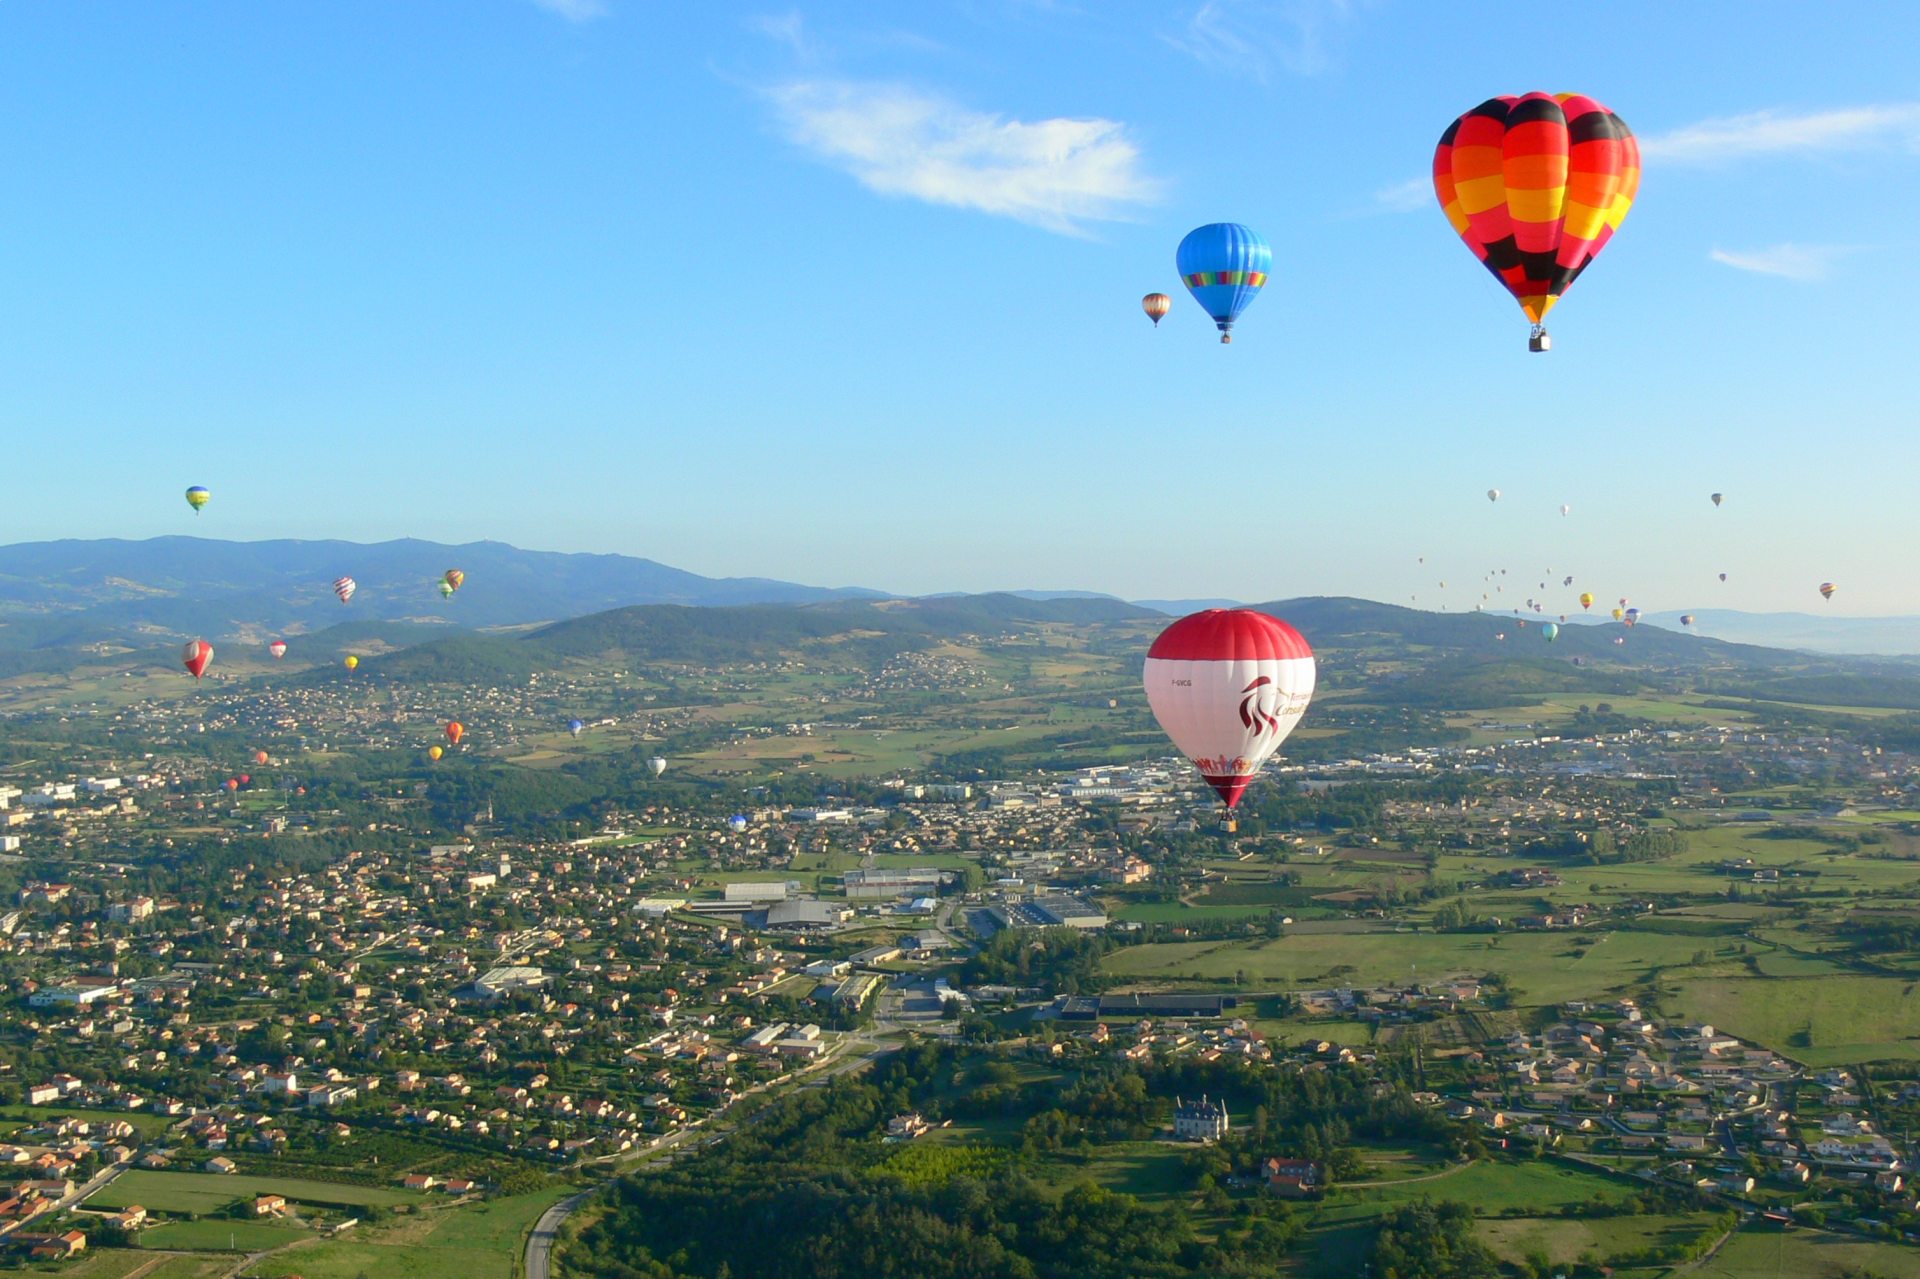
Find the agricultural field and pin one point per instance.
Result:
(13, 1118)
(199, 1194)
(1802, 1254)
(220, 1234)
(1826, 1020)
(1564, 1240)
(473, 1241)
(121, 1263)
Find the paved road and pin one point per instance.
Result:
(100, 1179)
(545, 1231)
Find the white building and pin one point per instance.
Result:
(1201, 1120)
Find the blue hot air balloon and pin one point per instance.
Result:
(576, 726)
(1551, 630)
(1223, 265)
(737, 822)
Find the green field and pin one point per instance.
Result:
(1541, 967)
(219, 1234)
(118, 1263)
(477, 1241)
(147, 1125)
(1805, 1254)
(200, 1193)
(1564, 1240)
(1824, 1021)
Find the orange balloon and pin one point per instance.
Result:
(1156, 305)
(455, 730)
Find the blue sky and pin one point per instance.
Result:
(848, 293)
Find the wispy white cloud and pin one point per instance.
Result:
(787, 28)
(1782, 132)
(1058, 174)
(1251, 37)
(1405, 197)
(1803, 262)
(575, 10)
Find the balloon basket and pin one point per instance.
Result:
(1226, 339)
(1539, 340)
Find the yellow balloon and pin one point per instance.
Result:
(434, 752)
(352, 662)
(1619, 613)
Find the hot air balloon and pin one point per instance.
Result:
(576, 726)
(1156, 305)
(1536, 185)
(1827, 589)
(196, 657)
(446, 590)
(353, 663)
(233, 784)
(454, 578)
(656, 766)
(344, 587)
(1551, 631)
(737, 822)
(1499, 635)
(1493, 495)
(1686, 619)
(1619, 613)
(1567, 581)
(434, 753)
(455, 731)
(1228, 685)
(197, 497)
(1719, 498)
(278, 649)
(1723, 577)
(1586, 599)
(1632, 617)
(260, 757)
(1619, 639)
(246, 779)
(1224, 265)
(1565, 509)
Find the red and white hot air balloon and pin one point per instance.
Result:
(196, 657)
(344, 587)
(278, 648)
(1228, 685)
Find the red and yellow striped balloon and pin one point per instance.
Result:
(1536, 185)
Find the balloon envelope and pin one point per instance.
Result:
(344, 587)
(1493, 495)
(1536, 185)
(196, 657)
(278, 648)
(1719, 498)
(1551, 631)
(1686, 619)
(1586, 599)
(656, 766)
(434, 752)
(198, 497)
(737, 822)
(1224, 265)
(1228, 686)
(576, 726)
(455, 731)
(353, 662)
(1156, 305)
(455, 578)
(259, 757)
(1827, 589)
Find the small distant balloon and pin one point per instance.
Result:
(1632, 617)
(656, 766)
(1156, 305)
(454, 578)
(1493, 495)
(278, 648)
(576, 726)
(1719, 498)
(1827, 589)
(1619, 613)
(260, 757)
(1619, 639)
(233, 784)
(446, 590)
(1551, 631)
(1565, 509)
(197, 497)
(434, 753)
(455, 731)
(1586, 599)
(1723, 577)
(353, 663)
(1686, 619)
(737, 822)
(196, 657)
(344, 587)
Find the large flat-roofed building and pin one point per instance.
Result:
(764, 891)
(803, 913)
(498, 983)
(917, 881)
(1058, 911)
